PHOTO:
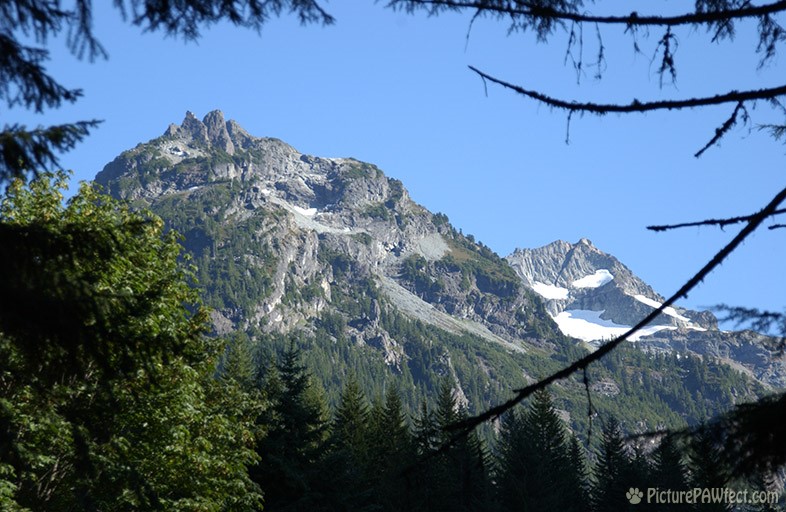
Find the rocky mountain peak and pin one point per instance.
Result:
(592, 295)
(217, 131)
(212, 131)
(194, 128)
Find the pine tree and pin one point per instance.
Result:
(296, 423)
(536, 464)
(577, 478)
(238, 364)
(706, 470)
(611, 472)
(461, 472)
(346, 467)
(392, 454)
(668, 470)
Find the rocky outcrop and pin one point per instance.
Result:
(593, 296)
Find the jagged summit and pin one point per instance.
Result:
(581, 278)
(212, 130)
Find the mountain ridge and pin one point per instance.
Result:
(331, 254)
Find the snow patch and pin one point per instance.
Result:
(655, 304)
(308, 212)
(589, 326)
(265, 192)
(599, 278)
(550, 291)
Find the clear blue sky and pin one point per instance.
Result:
(394, 90)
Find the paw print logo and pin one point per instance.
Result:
(634, 495)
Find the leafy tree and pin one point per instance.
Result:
(115, 408)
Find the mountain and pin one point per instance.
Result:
(592, 296)
(333, 256)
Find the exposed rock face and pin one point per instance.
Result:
(577, 280)
(321, 228)
(589, 279)
(217, 131)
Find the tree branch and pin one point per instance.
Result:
(464, 427)
(712, 222)
(725, 127)
(631, 20)
(636, 105)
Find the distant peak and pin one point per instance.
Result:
(585, 241)
(217, 131)
(212, 130)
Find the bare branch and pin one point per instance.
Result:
(712, 222)
(636, 105)
(464, 427)
(630, 20)
(725, 127)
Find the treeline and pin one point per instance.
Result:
(372, 455)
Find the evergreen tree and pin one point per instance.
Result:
(461, 480)
(577, 478)
(296, 438)
(392, 453)
(536, 471)
(668, 470)
(347, 466)
(706, 470)
(238, 365)
(612, 472)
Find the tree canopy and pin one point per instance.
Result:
(108, 398)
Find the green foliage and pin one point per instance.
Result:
(361, 170)
(613, 471)
(414, 270)
(457, 470)
(24, 152)
(396, 192)
(234, 268)
(117, 405)
(295, 440)
(377, 211)
(363, 238)
(440, 219)
(538, 439)
(479, 264)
